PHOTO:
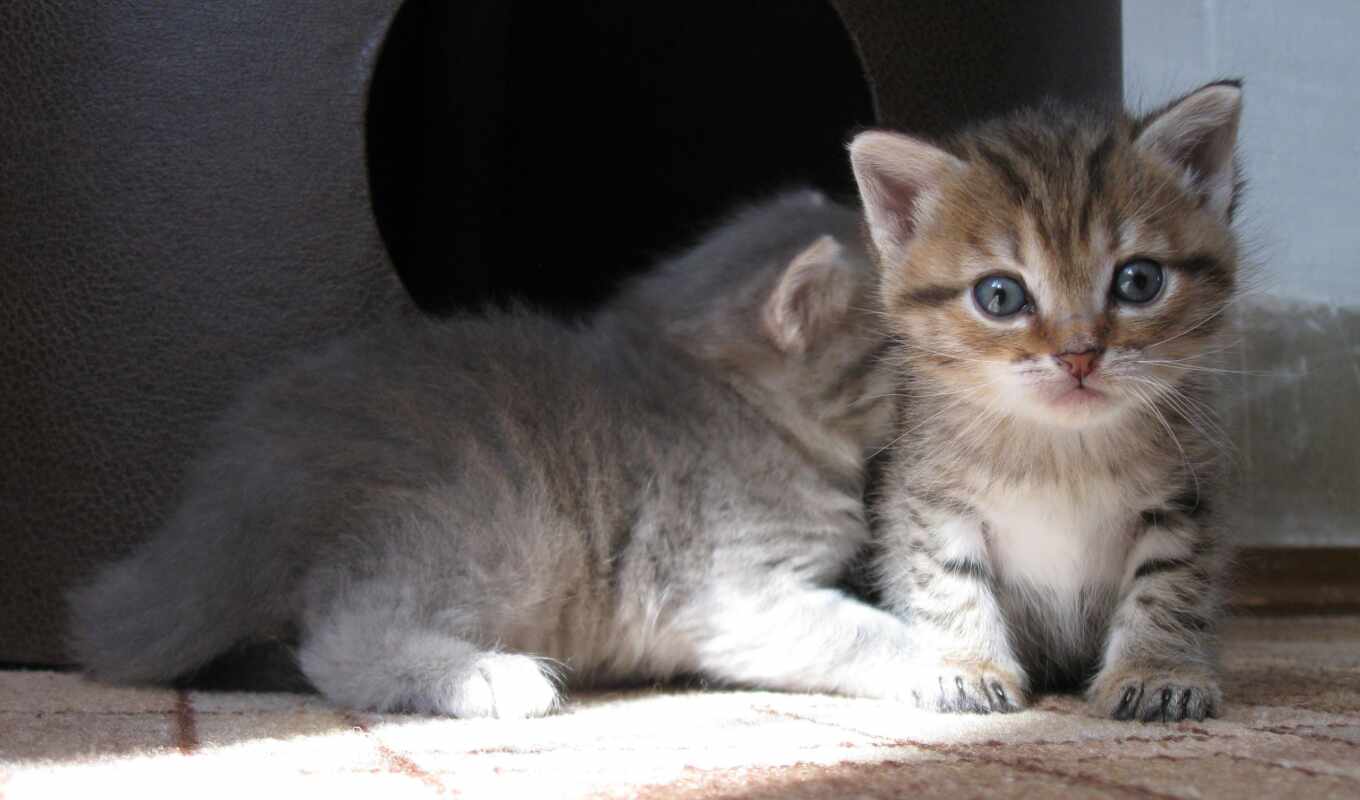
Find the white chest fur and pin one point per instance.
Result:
(1055, 540)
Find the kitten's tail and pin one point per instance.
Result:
(169, 608)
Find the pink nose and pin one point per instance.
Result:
(1079, 365)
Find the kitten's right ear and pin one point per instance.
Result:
(1198, 134)
(896, 175)
(812, 294)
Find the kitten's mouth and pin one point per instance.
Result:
(1079, 396)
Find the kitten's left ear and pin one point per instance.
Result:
(813, 293)
(1198, 133)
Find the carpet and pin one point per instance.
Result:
(1291, 729)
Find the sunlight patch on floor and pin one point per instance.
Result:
(1292, 728)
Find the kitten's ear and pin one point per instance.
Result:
(813, 293)
(896, 175)
(1198, 133)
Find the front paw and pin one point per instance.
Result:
(1155, 695)
(965, 686)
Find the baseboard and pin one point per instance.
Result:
(1297, 580)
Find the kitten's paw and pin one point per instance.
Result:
(1153, 695)
(976, 687)
(499, 685)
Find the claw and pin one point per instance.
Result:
(986, 705)
(1158, 711)
(1003, 702)
(1207, 707)
(965, 688)
(1128, 704)
(966, 701)
(1153, 697)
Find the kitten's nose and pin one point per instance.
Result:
(1079, 365)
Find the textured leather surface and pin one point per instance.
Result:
(937, 65)
(183, 197)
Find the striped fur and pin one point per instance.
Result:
(1039, 529)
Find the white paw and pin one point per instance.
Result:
(967, 686)
(500, 686)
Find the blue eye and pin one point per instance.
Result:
(999, 296)
(1138, 281)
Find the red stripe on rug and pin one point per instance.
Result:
(186, 725)
(396, 762)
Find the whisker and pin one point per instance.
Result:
(1202, 419)
(1202, 354)
(922, 423)
(1222, 370)
(1201, 323)
(912, 347)
(1185, 459)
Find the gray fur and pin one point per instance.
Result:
(453, 516)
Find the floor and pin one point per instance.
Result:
(1292, 729)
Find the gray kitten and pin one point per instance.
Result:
(1056, 282)
(446, 513)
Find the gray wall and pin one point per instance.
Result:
(1295, 415)
(1301, 131)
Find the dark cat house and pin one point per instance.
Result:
(190, 191)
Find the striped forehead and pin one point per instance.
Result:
(1055, 188)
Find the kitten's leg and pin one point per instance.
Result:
(934, 571)
(379, 658)
(794, 637)
(1159, 659)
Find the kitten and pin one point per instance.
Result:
(1054, 281)
(446, 513)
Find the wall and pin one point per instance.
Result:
(1302, 116)
(1294, 411)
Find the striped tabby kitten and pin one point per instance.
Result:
(441, 511)
(1052, 280)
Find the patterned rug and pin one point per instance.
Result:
(1292, 729)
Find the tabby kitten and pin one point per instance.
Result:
(450, 517)
(1053, 281)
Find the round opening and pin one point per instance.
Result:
(542, 151)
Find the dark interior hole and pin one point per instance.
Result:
(542, 150)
